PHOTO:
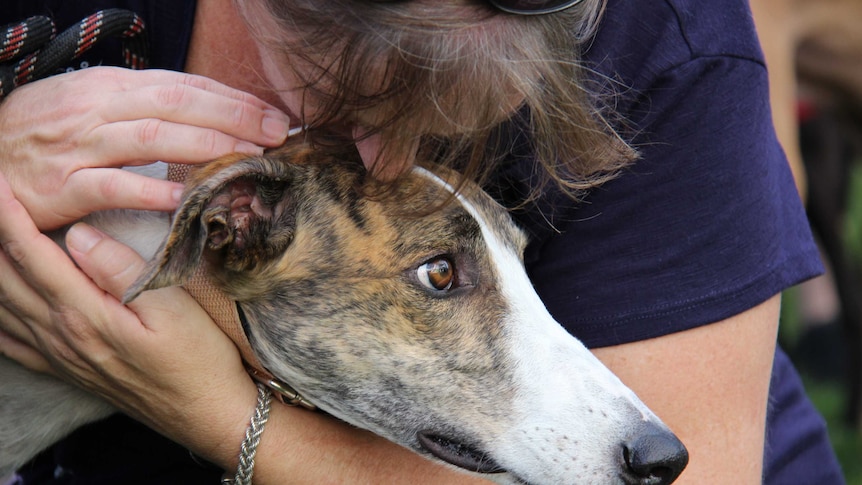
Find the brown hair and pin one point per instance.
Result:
(452, 71)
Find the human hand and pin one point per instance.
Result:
(160, 359)
(62, 138)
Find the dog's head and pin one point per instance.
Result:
(421, 327)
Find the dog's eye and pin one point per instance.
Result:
(437, 274)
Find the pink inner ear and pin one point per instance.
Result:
(246, 204)
(232, 211)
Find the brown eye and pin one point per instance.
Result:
(437, 274)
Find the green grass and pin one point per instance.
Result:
(853, 222)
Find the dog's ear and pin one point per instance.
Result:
(236, 214)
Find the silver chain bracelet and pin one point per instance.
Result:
(248, 448)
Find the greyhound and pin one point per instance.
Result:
(405, 311)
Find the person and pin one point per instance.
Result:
(670, 270)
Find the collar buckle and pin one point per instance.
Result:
(281, 390)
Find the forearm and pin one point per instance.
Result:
(300, 446)
(711, 386)
(303, 447)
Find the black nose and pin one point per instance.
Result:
(655, 457)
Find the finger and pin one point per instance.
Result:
(111, 265)
(244, 118)
(155, 139)
(114, 267)
(108, 188)
(128, 81)
(22, 353)
(38, 260)
(166, 77)
(19, 302)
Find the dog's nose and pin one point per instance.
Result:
(655, 457)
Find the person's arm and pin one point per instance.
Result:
(163, 361)
(710, 385)
(312, 448)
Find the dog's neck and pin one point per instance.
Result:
(282, 391)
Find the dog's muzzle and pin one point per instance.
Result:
(654, 456)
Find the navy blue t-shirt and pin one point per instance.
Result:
(705, 225)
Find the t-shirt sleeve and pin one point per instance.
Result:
(706, 225)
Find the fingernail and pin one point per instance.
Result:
(82, 237)
(177, 194)
(275, 125)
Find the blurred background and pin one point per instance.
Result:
(813, 52)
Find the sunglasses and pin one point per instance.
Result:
(533, 7)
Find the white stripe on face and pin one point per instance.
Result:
(563, 389)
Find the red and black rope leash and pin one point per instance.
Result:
(30, 51)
